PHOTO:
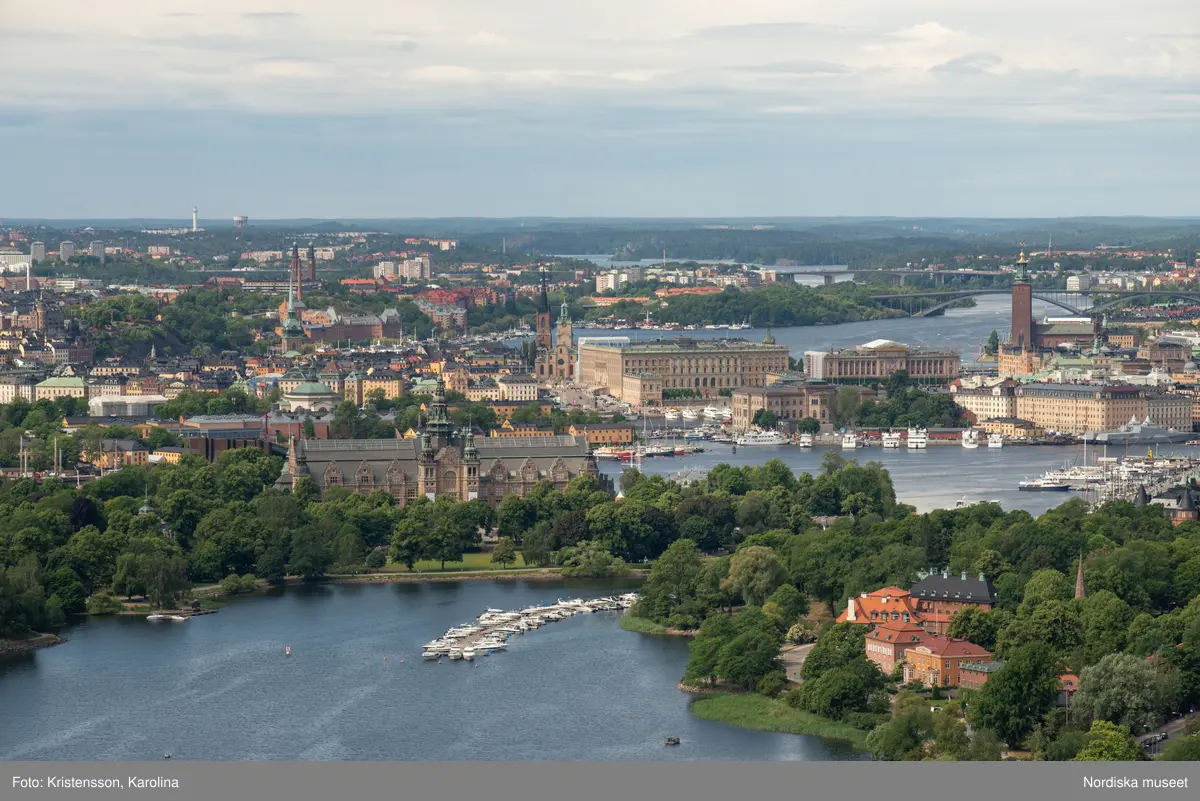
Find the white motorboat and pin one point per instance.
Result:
(178, 618)
(761, 438)
(970, 439)
(995, 441)
(806, 440)
(468, 654)
(671, 414)
(918, 439)
(711, 412)
(850, 440)
(690, 414)
(456, 654)
(891, 439)
(158, 617)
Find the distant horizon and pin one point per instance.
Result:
(758, 219)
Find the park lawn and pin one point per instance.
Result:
(754, 711)
(470, 561)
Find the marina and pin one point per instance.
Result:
(489, 633)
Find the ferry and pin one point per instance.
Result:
(806, 440)
(995, 441)
(851, 440)
(891, 439)
(918, 439)
(761, 438)
(970, 438)
(1042, 485)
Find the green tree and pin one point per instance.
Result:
(845, 405)
(1017, 696)
(808, 425)
(748, 658)
(1109, 743)
(993, 344)
(837, 646)
(754, 573)
(310, 553)
(165, 577)
(505, 553)
(765, 418)
(1127, 690)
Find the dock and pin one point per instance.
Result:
(490, 632)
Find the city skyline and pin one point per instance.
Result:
(657, 109)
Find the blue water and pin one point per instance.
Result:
(219, 686)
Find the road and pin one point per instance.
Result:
(1174, 729)
(793, 660)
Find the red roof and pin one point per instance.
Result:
(953, 646)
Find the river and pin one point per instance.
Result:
(219, 686)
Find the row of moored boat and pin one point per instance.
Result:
(491, 631)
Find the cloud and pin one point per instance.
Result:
(972, 64)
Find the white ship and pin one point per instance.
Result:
(711, 412)
(761, 438)
(891, 439)
(671, 414)
(995, 441)
(918, 439)
(806, 440)
(851, 440)
(690, 414)
(970, 439)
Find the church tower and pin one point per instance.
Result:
(312, 263)
(1080, 591)
(1022, 305)
(471, 465)
(566, 336)
(438, 430)
(544, 336)
(295, 272)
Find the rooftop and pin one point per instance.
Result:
(687, 345)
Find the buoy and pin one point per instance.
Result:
(439, 661)
(402, 661)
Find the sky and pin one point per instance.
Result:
(434, 108)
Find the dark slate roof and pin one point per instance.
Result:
(955, 587)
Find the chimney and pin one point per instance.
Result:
(964, 575)
(981, 578)
(945, 572)
(850, 610)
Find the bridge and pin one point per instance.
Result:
(1057, 298)
(900, 274)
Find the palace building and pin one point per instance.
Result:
(642, 373)
(439, 461)
(878, 359)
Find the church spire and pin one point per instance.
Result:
(1080, 592)
(1022, 273)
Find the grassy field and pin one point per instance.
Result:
(470, 561)
(754, 711)
(641, 625)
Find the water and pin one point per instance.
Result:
(219, 687)
(934, 478)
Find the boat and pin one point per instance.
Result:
(970, 439)
(671, 741)
(671, 414)
(995, 441)
(851, 440)
(468, 654)
(918, 439)
(157, 616)
(806, 440)
(1042, 485)
(891, 439)
(690, 414)
(177, 618)
(287, 650)
(711, 412)
(761, 438)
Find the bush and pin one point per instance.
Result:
(377, 559)
(234, 584)
(103, 603)
(793, 699)
(865, 720)
(770, 684)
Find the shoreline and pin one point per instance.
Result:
(11, 648)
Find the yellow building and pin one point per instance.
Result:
(703, 367)
(117, 453)
(812, 399)
(1012, 427)
(60, 387)
(1078, 408)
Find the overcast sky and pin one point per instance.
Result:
(400, 108)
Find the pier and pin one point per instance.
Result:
(492, 629)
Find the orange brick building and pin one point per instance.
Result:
(938, 596)
(889, 603)
(888, 643)
(936, 662)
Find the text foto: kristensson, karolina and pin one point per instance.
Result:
(1132, 782)
(77, 783)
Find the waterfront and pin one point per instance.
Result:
(219, 687)
(962, 329)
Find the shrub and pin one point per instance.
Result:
(770, 684)
(103, 603)
(376, 559)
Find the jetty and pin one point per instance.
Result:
(490, 632)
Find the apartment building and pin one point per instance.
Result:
(794, 402)
(1077, 408)
(986, 403)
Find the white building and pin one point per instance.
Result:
(66, 251)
